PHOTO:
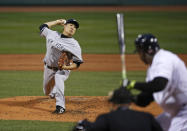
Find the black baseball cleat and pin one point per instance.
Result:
(59, 110)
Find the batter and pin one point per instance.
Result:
(56, 43)
(166, 83)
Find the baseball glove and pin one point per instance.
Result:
(64, 59)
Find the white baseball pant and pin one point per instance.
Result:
(176, 123)
(53, 84)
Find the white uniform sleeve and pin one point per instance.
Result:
(161, 68)
(45, 32)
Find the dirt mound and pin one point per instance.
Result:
(41, 108)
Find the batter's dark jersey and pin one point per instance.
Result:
(123, 120)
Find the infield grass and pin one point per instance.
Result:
(12, 125)
(29, 83)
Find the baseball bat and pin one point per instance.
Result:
(121, 42)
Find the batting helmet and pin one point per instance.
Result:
(147, 43)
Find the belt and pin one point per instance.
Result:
(50, 67)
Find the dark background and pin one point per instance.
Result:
(92, 2)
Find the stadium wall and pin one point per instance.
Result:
(92, 2)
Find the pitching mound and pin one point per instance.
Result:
(77, 108)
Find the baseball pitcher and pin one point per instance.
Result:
(166, 83)
(63, 53)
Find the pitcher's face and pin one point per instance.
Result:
(69, 29)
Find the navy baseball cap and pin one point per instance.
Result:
(73, 21)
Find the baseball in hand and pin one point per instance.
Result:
(61, 21)
(64, 22)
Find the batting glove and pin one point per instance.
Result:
(130, 85)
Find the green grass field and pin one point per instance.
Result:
(29, 83)
(97, 34)
(19, 34)
(34, 126)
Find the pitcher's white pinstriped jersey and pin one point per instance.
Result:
(168, 65)
(56, 45)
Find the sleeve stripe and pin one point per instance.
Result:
(42, 27)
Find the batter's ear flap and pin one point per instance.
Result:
(150, 51)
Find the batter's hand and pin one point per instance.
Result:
(130, 84)
(61, 22)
